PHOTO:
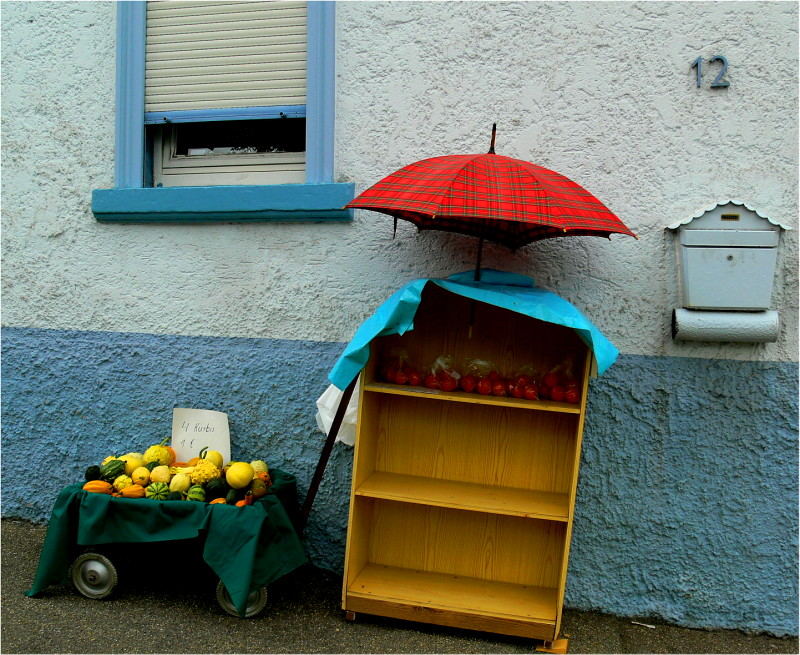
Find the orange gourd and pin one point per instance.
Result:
(133, 491)
(172, 455)
(98, 487)
(193, 461)
(218, 501)
(180, 464)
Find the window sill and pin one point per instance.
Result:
(279, 202)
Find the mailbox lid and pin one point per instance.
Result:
(728, 278)
(730, 238)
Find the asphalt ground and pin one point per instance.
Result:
(166, 608)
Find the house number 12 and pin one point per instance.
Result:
(719, 81)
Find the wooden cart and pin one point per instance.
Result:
(462, 504)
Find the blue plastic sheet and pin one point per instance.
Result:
(517, 293)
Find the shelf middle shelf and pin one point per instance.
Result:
(466, 496)
(472, 398)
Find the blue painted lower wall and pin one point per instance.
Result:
(687, 500)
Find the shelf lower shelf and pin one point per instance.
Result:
(466, 496)
(465, 596)
(463, 397)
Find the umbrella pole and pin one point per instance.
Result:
(478, 262)
(477, 278)
(326, 453)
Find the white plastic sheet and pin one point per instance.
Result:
(328, 403)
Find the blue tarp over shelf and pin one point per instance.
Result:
(511, 291)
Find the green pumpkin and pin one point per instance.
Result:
(157, 491)
(233, 495)
(196, 492)
(92, 473)
(216, 488)
(112, 469)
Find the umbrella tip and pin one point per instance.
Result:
(494, 134)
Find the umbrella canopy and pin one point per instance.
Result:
(509, 201)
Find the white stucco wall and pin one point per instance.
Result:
(601, 92)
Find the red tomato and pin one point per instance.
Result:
(390, 374)
(522, 380)
(531, 392)
(446, 381)
(500, 388)
(400, 377)
(572, 396)
(414, 378)
(516, 389)
(557, 394)
(467, 383)
(494, 376)
(551, 379)
(484, 386)
(544, 391)
(431, 381)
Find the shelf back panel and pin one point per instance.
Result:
(495, 446)
(470, 544)
(465, 329)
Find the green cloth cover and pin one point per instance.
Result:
(247, 547)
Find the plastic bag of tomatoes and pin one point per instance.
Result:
(442, 374)
(560, 384)
(397, 369)
(524, 384)
(482, 376)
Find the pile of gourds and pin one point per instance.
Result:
(156, 475)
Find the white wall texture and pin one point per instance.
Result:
(601, 92)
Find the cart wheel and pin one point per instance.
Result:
(256, 601)
(93, 575)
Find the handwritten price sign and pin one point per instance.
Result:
(194, 429)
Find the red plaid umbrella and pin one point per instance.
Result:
(509, 201)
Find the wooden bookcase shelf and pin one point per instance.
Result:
(466, 496)
(500, 602)
(461, 509)
(461, 397)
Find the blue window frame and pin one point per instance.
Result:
(320, 198)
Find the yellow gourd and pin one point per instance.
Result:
(132, 462)
(180, 482)
(213, 456)
(141, 476)
(122, 481)
(160, 474)
(239, 475)
(158, 453)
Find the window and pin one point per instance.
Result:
(231, 152)
(224, 112)
(241, 62)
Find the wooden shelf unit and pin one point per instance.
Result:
(461, 509)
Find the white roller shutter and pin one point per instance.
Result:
(206, 55)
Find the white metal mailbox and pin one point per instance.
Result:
(727, 259)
